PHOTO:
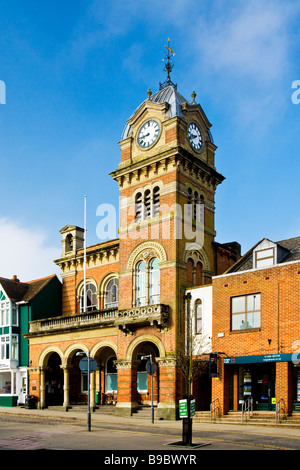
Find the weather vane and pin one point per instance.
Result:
(168, 67)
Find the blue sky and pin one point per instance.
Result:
(75, 71)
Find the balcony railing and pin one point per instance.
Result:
(87, 320)
(125, 320)
(156, 315)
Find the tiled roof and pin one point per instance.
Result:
(24, 291)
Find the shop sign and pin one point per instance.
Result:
(255, 359)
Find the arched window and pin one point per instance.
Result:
(69, 243)
(198, 274)
(196, 209)
(154, 281)
(147, 204)
(138, 207)
(198, 316)
(156, 201)
(190, 272)
(111, 376)
(190, 201)
(141, 279)
(91, 297)
(111, 293)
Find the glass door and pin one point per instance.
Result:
(264, 387)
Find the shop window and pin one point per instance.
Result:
(91, 298)
(5, 382)
(245, 312)
(111, 293)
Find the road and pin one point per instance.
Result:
(143, 440)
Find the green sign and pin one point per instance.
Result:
(183, 408)
(193, 408)
(183, 412)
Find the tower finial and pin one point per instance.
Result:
(168, 67)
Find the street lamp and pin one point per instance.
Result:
(88, 377)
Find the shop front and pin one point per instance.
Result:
(256, 377)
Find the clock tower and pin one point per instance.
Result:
(167, 180)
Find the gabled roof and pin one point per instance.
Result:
(24, 291)
(290, 246)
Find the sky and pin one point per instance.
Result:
(72, 73)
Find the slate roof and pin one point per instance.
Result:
(291, 245)
(24, 291)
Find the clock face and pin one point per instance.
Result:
(195, 136)
(148, 134)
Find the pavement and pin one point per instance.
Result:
(98, 417)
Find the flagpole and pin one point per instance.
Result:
(84, 262)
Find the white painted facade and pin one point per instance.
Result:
(202, 340)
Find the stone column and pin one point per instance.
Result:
(93, 391)
(42, 388)
(66, 403)
(126, 401)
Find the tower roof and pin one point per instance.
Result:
(169, 95)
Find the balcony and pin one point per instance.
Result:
(68, 323)
(126, 320)
(156, 315)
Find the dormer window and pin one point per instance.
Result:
(264, 258)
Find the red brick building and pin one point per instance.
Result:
(256, 329)
(135, 284)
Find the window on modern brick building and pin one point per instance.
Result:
(91, 298)
(264, 258)
(245, 312)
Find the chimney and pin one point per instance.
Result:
(15, 279)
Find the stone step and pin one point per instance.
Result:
(257, 418)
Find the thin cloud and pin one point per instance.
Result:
(24, 252)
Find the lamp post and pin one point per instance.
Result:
(88, 366)
(187, 422)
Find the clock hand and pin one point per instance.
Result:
(143, 136)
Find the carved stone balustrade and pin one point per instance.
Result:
(157, 315)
